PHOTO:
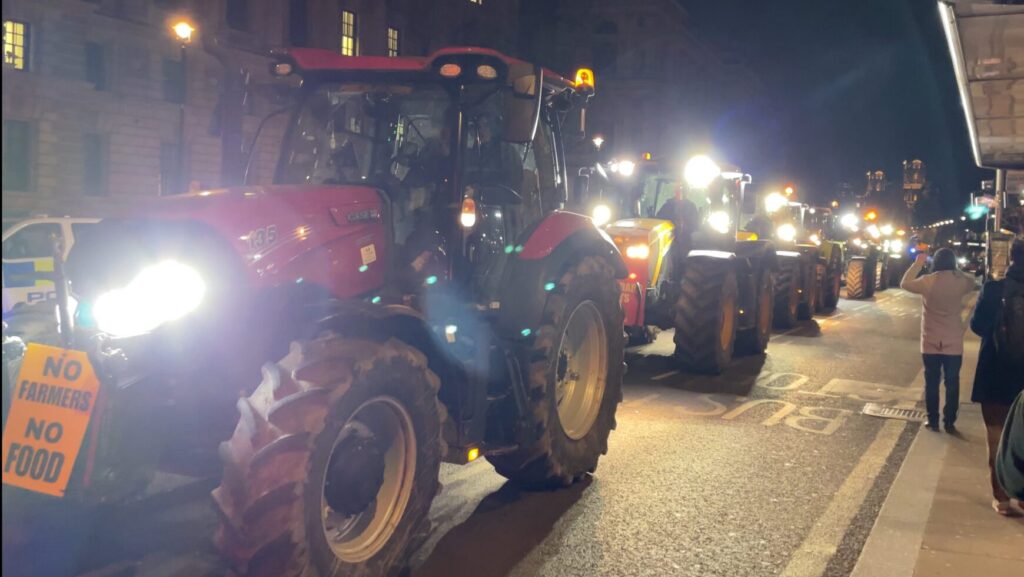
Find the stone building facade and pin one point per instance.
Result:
(102, 104)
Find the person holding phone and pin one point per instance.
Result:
(942, 330)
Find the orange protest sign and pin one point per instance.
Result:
(51, 404)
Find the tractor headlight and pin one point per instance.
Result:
(601, 214)
(638, 251)
(160, 293)
(849, 221)
(896, 245)
(720, 221)
(815, 239)
(786, 232)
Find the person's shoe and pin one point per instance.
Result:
(952, 430)
(1005, 509)
(932, 426)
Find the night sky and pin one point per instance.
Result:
(847, 86)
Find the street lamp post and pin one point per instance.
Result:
(183, 31)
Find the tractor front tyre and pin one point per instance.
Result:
(333, 464)
(809, 290)
(754, 341)
(574, 380)
(705, 316)
(831, 284)
(882, 277)
(787, 294)
(857, 278)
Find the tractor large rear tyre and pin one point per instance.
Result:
(705, 316)
(857, 278)
(574, 380)
(754, 341)
(333, 464)
(787, 294)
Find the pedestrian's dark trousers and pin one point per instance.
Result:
(935, 367)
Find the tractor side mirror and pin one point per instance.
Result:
(523, 104)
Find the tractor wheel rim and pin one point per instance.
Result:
(356, 537)
(581, 371)
(728, 322)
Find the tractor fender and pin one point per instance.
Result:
(759, 253)
(559, 242)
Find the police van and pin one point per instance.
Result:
(28, 255)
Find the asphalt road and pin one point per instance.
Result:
(768, 469)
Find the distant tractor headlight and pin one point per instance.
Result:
(858, 242)
(160, 293)
(720, 221)
(700, 171)
(849, 221)
(962, 261)
(786, 232)
(638, 251)
(896, 245)
(601, 214)
(815, 239)
(774, 202)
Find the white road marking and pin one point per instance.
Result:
(641, 400)
(664, 375)
(811, 559)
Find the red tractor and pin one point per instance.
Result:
(408, 292)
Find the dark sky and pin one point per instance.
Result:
(847, 86)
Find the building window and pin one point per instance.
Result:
(477, 2)
(17, 146)
(94, 172)
(349, 42)
(170, 183)
(298, 23)
(393, 42)
(96, 65)
(174, 81)
(237, 14)
(16, 36)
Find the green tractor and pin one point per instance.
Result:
(810, 260)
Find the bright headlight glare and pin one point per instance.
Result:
(874, 232)
(815, 239)
(896, 245)
(626, 168)
(719, 221)
(886, 229)
(638, 251)
(849, 221)
(774, 202)
(601, 214)
(160, 293)
(786, 232)
(700, 171)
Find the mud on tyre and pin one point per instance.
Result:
(705, 315)
(574, 380)
(334, 462)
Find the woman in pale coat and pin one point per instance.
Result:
(942, 330)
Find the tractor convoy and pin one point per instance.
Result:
(410, 290)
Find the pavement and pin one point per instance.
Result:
(770, 469)
(937, 520)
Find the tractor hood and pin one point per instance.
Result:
(267, 234)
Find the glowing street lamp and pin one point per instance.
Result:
(183, 30)
(598, 140)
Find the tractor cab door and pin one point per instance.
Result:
(516, 185)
